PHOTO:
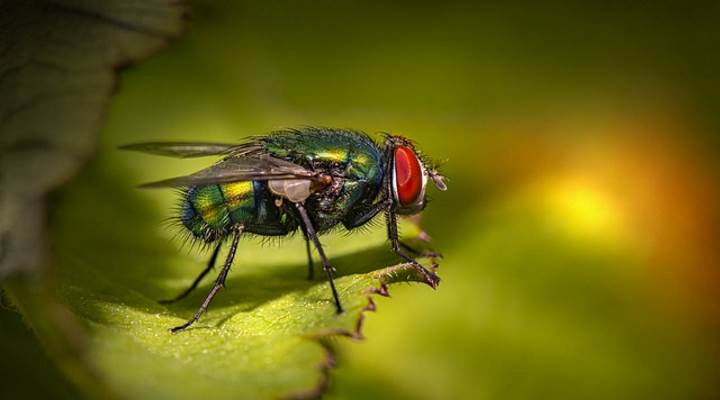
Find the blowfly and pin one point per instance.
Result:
(312, 179)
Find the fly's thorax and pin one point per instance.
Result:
(351, 159)
(323, 148)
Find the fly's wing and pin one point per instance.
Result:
(186, 149)
(240, 168)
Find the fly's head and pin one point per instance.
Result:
(408, 176)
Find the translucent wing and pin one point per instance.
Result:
(182, 149)
(241, 168)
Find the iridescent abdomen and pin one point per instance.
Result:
(210, 212)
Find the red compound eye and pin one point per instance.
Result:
(408, 175)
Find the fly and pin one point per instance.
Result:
(312, 179)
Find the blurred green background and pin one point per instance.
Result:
(580, 226)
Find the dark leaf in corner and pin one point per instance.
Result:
(58, 64)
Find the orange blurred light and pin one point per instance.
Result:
(639, 183)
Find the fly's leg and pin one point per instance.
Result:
(363, 217)
(400, 249)
(311, 266)
(210, 265)
(326, 263)
(219, 283)
(419, 253)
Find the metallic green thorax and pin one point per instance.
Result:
(351, 158)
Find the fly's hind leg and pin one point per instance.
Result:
(312, 235)
(219, 283)
(210, 266)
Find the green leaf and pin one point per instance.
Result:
(266, 334)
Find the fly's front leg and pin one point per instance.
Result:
(401, 249)
(219, 283)
(326, 263)
(419, 253)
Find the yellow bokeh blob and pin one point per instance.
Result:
(583, 208)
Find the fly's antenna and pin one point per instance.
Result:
(438, 180)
